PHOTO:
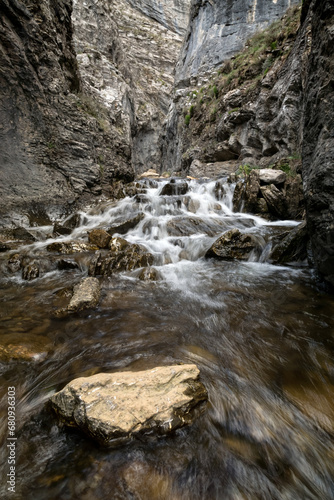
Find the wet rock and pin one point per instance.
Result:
(30, 271)
(14, 263)
(66, 227)
(99, 237)
(269, 176)
(112, 408)
(149, 274)
(252, 190)
(233, 245)
(4, 247)
(276, 201)
(238, 195)
(174, 188)
(185, 226)
(294, 194)
(86, 295)
(122, 226)
(69, 247)
(123, 256)
(65, 264)
(20, 352)
(293, 247)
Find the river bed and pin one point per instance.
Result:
(261, 335)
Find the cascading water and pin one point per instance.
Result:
(262, 336)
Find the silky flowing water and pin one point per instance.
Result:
(262, 336)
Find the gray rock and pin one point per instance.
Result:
(233, 245)
(277, 203)
(123, 225)
(269, 176)
(112, 408)
(293, 247)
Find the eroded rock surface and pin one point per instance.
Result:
(112, 408)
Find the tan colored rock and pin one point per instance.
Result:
(233, 245)
(99, 237)
(151, 172)
(114, 407)
(86, 295)
(69, 247)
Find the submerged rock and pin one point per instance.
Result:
(293, 247)
(123, 256)
(233, 245)
(86, 295)
(113, 408)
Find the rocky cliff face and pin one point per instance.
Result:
(83, 91)
(218, 30)
(250, 110)
(126, 57)
(52, 135)
(318, 136)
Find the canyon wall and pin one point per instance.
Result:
(318, 135)
(84, 90)
(219, 29)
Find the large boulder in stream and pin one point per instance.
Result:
(123, 256)
(233, 245)
(86, 295)
(112, 408)
(99, 237)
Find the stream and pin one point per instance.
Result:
(262, 336)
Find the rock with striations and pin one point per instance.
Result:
(233, 245)
(276, 201)
(112, 408)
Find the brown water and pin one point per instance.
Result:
(262, 336)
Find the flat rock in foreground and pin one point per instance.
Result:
(114, 407)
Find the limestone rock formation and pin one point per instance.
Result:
(293, 246)
(112, 408)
